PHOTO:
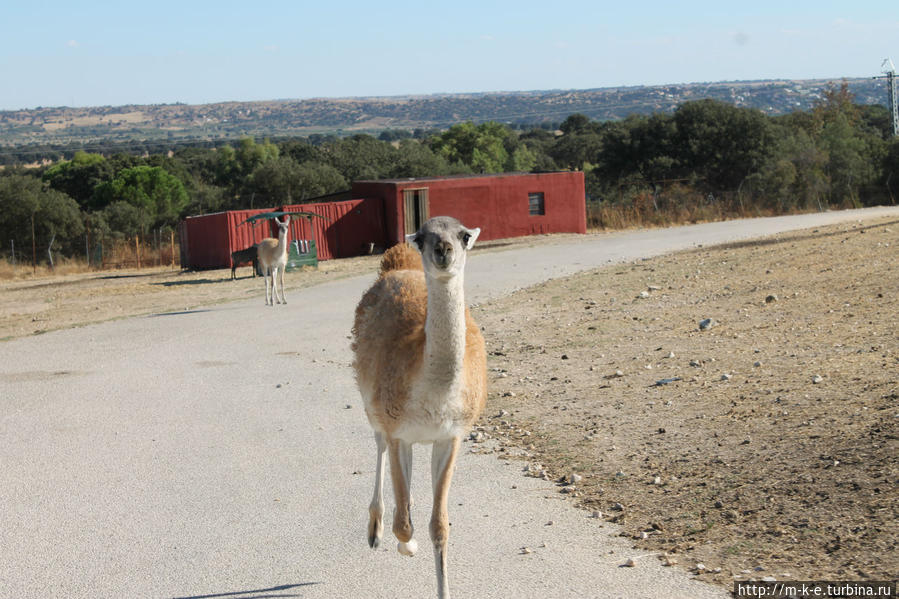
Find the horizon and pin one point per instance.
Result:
(437, 94)
(59, 55)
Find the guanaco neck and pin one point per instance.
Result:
(445, 330)
(282, 241)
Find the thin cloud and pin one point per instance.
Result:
(72, 43)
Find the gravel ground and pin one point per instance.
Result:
(762, 446)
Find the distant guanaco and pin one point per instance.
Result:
(272, 255)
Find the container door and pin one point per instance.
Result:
(415, 208)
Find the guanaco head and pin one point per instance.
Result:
(443, 242)
(282, 226)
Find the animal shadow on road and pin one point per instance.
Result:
(269, 593)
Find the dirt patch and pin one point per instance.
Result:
(765, 445)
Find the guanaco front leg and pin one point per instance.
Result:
(401, 475)
(443, 462)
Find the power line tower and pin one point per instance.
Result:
(890, 76)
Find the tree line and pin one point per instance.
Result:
(839, 154)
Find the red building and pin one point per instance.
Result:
(506, 205)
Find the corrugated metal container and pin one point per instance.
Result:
(348, 228)
(208, 240)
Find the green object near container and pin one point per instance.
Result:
(302, 252)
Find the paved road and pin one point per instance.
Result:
(223, 452)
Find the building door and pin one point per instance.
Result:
(415, 207)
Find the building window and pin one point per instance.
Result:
(535, 204)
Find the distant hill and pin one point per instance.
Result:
(278, 118)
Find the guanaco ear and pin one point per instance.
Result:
(286, 219)
(469, 236)
(414, 239)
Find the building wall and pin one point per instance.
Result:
(498, 204)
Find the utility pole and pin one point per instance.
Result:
(890, 76)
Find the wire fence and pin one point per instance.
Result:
(160, 249)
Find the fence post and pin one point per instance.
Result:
(33, 248)
(137, 249)
(12, 244)
(173, 250)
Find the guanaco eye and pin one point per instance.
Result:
(465, 238)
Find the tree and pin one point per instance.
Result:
(360, 157)
(285, 181)
(56, 216)
(576, 124)
(720, 143)
(415, 159)
(159, 197)
(487, 148)
(78, 177)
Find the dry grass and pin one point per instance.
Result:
(117, 256)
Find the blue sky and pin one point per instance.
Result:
(56, 53)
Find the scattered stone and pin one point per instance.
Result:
(564, 356)
(817, 379)
(725, 377)
(348, 407)
(669, 561)
(695, 363)
(757, 364)
(719, 504)
(596, 514)
(671, 354)
(509, 394)
(644, 294)
(768, 579)
(617, 507)
(524, 550)
(657, 480)
(619, 374)
(706, 323)
(700, 568)
(630, 563)
(644, 535)
(574, 478)
(771, 299)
